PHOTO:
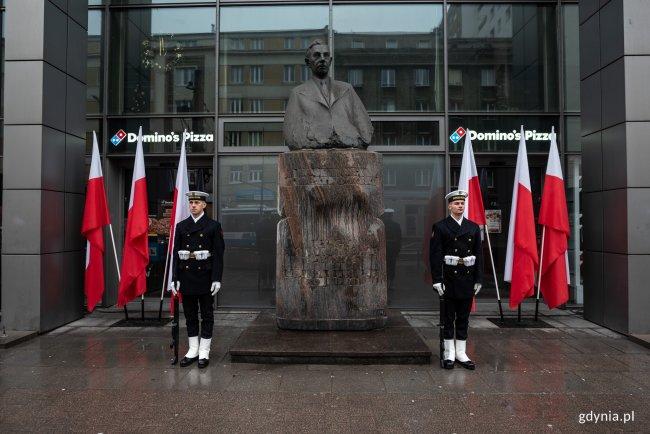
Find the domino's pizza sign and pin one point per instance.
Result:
(118, 137)
(457, 135)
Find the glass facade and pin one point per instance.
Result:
(223, 75)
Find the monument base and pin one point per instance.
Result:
(396, 343)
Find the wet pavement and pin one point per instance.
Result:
(89, 377)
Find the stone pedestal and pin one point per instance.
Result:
(331, 261)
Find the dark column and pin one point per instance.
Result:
(615, 102)
(43, 191)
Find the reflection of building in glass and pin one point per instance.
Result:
(94, 63)
(390, 72)
(502, 57)
(258, 69)
(160, 72)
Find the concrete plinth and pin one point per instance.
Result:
(396, 343)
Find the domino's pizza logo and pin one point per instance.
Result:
(118, 137)
(457, 135)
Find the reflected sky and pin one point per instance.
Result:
(386, 18)
(247, 19)
(182, 21)
(94, 23)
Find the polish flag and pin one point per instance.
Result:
(521, 254)
(94, 219)
(469, 182)
(135, 255)
(553, 215)
(180, 210)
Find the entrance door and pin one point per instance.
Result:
(161, 180)
(496, 175)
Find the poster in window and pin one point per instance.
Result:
(493, 219)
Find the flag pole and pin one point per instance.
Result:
(539, 276)
(117, 264)
(162, 290)
(494, 273)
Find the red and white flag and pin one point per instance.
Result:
(553, 215)
(180, 209)
(469, 182)
(521, 253)
(94, 219)
(135, 255)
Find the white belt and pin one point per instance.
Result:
(467, 261)
(184, 255)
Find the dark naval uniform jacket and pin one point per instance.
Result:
(450, 238)
(196, 277)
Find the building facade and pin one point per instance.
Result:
(223, 70)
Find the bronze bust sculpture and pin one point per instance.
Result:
(324, 113)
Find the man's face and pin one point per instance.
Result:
(319, 60)
(197, 207)
(457, 207)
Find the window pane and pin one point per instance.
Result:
(505, 55)
(500, 133)
(414, 200)
(139, 2)
(96, 126)
(397, 49)
(411, 133)
(161, 135)
(94, 62)
(248, 215)
(148, 46)
(252, 134)
(571, 58)
(572, 141)
(573, 196)
(261, 52)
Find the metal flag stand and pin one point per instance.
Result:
(539, 275)
(162, 290)
(494, 273)
(117, 266)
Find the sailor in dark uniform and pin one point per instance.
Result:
(196, 274)
(456, 269)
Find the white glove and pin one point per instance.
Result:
(216, 286)
(440, 288)
(183, 255)
(477, 288)
(175, 287)
(469, 260)
(201, 255)
(451, 260)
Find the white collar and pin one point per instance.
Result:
(459, 221)
(196, 219)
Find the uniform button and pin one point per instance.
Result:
(187, 267)
(455, 271)
(470, 239)
(199, 246)
(455, 250)
(469, 251)
(199, 268)
(455, 239)
(187, 246)
(200, 235)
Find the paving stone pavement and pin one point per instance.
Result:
(90, 377)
